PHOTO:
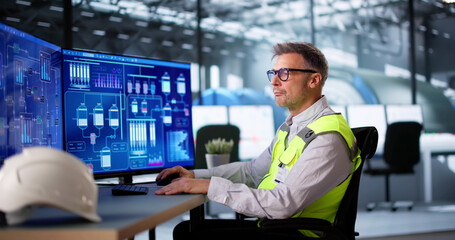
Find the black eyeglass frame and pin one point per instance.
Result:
(275, 72)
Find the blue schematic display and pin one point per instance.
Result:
(30, 92)
(126, 114)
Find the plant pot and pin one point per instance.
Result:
(214, 160)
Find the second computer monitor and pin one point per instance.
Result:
(30, 92)
(127, 115)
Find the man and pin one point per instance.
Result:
(303, 173)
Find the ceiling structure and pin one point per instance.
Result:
(255, 20)
(237, 31)
(169, 28)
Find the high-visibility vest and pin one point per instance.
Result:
(325, 207)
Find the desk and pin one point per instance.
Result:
(429, 144)
(123, 217)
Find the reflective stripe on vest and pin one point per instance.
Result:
(285, 157)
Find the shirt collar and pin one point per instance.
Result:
(309, 113)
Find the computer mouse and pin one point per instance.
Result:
(167, 180)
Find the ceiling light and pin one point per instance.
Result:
(224, 52)
(248, 43)
(104, 7)
(165, 11)
(12, 19)
(167, 43)
(229, 39)
(25, 3)
(141, 24)
(206, 49)
(448, 1)
(188, 32)
(165, 28)
(209, 36)
(87, 14)
(146, 40)
(98, 32)
(55, 8)
(115, 19)
(187, 46)
(75, 29)
(123, 36)
(43, 24)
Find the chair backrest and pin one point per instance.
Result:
(402, 145)
(209, 132)
(367, 141)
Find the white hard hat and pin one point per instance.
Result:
(41, 176)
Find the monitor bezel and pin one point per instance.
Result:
(125, 176)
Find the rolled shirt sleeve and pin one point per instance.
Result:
(324, 165)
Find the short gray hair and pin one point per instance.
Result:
(310, 53)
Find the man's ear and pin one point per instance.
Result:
(315, 80)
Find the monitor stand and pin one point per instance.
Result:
(126, 179)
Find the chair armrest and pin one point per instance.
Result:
(296, 223)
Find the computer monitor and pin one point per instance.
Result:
(369, 115)
(30, 92)
(400, 113)
(256, 128)
(207, 115)
(126, 115)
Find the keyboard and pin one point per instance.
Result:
(128, 189)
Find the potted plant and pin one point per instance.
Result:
(218, 152)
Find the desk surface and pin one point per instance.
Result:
(122, 217)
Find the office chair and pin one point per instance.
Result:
(401, 153)
(344, 225)
(209, 132)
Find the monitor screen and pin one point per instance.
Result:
(208, 115)
(256, 128)
(126, 115)
(369, 115)
(30, 92)
(400, 113)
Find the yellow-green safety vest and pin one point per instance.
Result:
(325, 207)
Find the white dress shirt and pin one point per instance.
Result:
(323, 165)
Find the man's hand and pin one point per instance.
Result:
(185, 185)
(182, 172)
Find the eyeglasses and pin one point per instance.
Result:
(283, 73)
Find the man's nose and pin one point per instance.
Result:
(275, 80)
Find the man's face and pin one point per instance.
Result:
(292, 93)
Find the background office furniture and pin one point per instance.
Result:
(256, 128)
(122, 217)
(208, 115)
(401, 153)
(209, 132)
(369, 115)
(344, 225)
(434, 143)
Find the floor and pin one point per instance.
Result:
(435, 221)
